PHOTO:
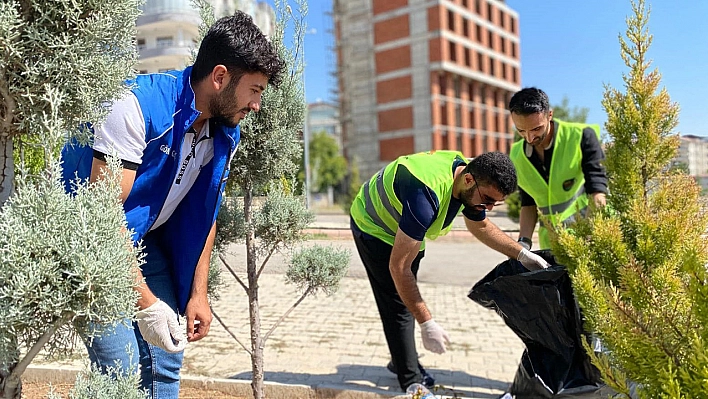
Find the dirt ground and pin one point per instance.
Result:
(40, 391)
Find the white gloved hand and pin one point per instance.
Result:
(531, 261)
(434, 337)
(159, 326)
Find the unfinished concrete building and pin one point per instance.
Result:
(419, 75)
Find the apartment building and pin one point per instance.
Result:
(168, 30)
(693, 153)
(324, 116)
(419, 75)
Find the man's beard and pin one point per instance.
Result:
(222, 110)
(542, 137)
(466, 199)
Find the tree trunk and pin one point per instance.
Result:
(253, 307)
(9, 390)
(7, 175)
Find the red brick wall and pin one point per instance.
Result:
(434, 18)
(394, 89)
(396, 119)
(393, 59)
(391, 149)
(381, 6)
(391, 29)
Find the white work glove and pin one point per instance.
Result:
(434, 337)
(531, 261)
(159, 326)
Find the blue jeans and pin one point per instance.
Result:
(159, 370)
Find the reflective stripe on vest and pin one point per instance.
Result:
(371, 209)
(560, 208)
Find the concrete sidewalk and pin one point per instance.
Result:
(338, 341)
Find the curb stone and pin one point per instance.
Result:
(67, 375)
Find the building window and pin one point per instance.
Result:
(451, 20)
(490, 10)
(468, 58)
(490, 39)
(515, 75)
(503, 45)
(512, 21)
(479, 33)
(502, 20)
(141, 44)
(465, 27)
(491, 66)
(478, 6)
(464, 3)
(480, 62)
(473, 123)
(513, 49)
(503, 69)
(458, 116)
(456, 85)
(443, 113)
(164, 41)
(453, 51)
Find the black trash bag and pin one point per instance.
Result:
(539, 306)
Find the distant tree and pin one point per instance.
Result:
(63, 258)
(264, 165)
(563, 112)
(328, 164)
(353, 184)
(639, 268)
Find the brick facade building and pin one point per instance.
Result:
(416, 75)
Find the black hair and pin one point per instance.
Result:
(238, 44)
(529, 101)
(493, 169)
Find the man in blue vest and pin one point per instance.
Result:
(176, 133)
(417, 197)
(559, 165)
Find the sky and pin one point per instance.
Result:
(570, 48)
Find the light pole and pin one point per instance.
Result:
(306, 133)
(306, 140)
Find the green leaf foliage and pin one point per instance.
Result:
(318, 268)
(83, 49)
(63, 258)
(270, 139)
(639, 266)
(329, 165)
(281, 218)
(563, 112)
(94, 384)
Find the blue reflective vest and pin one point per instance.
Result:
(167, 104)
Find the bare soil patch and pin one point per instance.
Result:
(35, 390)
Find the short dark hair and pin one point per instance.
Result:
(238, 44)
(493, 169)
(529, 101)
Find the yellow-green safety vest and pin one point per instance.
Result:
(377, 211)
(563, 196)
